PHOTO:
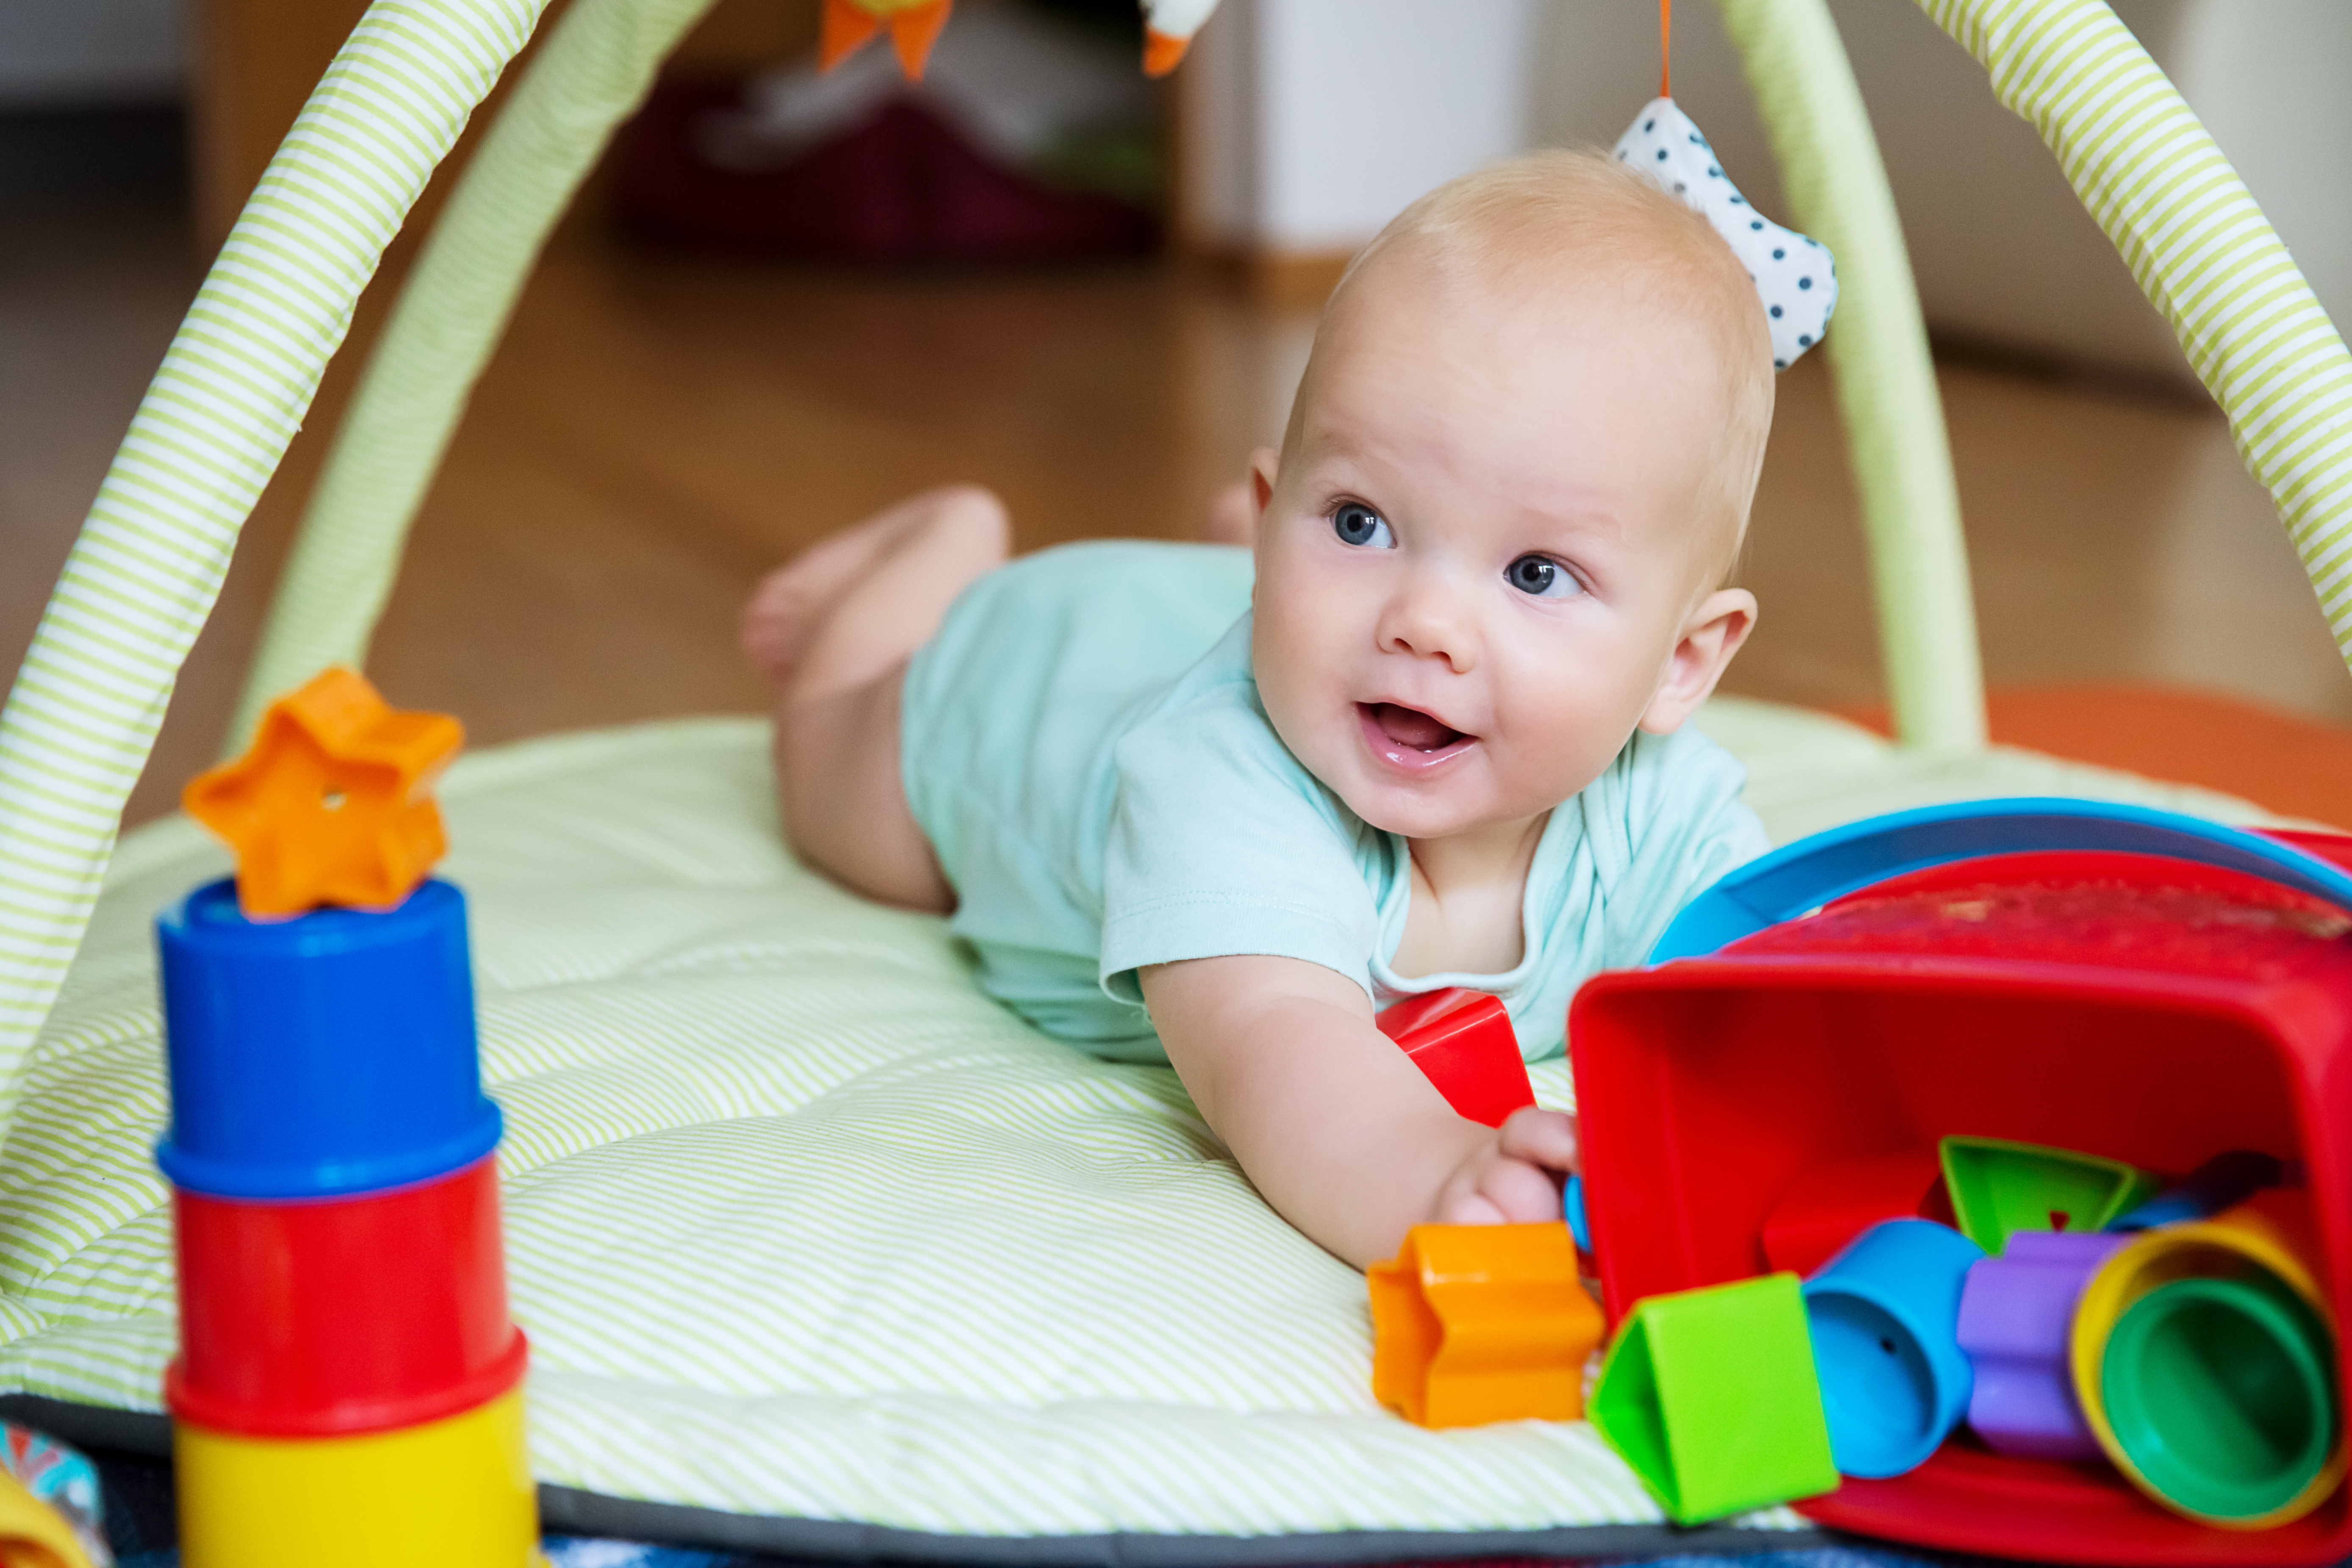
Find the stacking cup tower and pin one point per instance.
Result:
(349, 1388)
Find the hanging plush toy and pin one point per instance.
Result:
(914, 28)
(1168, 29)
(1795, 275)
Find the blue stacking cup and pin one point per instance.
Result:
(1884, 1315)
(329, 1054)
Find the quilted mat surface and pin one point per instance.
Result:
(803, 1228)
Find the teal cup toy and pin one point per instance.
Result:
(1884, 1317)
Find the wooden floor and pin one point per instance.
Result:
(658, 430)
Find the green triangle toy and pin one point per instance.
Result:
(1998, 1186)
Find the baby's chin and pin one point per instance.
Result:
(1479, 792)
(1484, 786)
(1429, 809)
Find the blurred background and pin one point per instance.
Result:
(786, 300)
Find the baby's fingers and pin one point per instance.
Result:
(1545, 1138)
(1470, 1206)
(1515, 1192)
(1495, 1189)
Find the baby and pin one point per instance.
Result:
(1213, 807)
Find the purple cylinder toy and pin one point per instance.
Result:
(2016, 1318)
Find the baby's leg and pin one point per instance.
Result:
(832, 630)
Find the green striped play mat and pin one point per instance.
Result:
(820, 1250)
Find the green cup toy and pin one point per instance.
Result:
(2227, 1373)
(2221, 1394)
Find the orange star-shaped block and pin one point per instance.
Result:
(1473, 1323)
(333, 802)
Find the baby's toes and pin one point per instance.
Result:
(775, 623)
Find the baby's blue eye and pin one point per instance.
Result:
(1542, 577)
(1358, 524)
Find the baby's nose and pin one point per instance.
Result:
(1428, 621)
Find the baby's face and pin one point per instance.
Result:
(1484, 548)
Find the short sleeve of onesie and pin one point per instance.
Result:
(1221, 843)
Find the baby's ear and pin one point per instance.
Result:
(1710, 637)
(1265, 465)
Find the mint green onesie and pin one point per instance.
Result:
(1084, 748)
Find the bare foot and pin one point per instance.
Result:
(1233, 516)
(792, 602)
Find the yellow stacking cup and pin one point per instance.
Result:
(2267, 1238)
(452, 1493)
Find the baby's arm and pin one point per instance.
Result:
(1340, 1130)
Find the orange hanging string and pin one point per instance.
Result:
(1665, 48)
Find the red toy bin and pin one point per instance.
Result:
(2150, 1012)
(325, 1316)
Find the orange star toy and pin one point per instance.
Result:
(333, 802)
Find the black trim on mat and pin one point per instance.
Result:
(574, 1512)
(92, 1426)
(833, 1541)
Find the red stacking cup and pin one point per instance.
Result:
(324, 1317)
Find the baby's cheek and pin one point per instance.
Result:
(1292, 654)
(1289, 687)
(1562, 741)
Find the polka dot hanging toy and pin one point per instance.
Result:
(1795, 275)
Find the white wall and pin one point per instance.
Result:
(75, 53)
(2002, 250)
(2273, 80)
(1310, 122)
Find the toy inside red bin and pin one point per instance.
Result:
(2128, 984)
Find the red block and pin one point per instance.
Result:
(323, 1317)
(1829, 1206)
(1462, 1039)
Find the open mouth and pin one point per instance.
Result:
(1408, 737)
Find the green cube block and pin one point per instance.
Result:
(1711, 1396)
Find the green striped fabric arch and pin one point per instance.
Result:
(229, 395)
(2201, 249)
(594, 70)
(1893, 415)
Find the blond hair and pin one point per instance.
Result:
(1531, 224)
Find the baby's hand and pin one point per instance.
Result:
(1509, 1178)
